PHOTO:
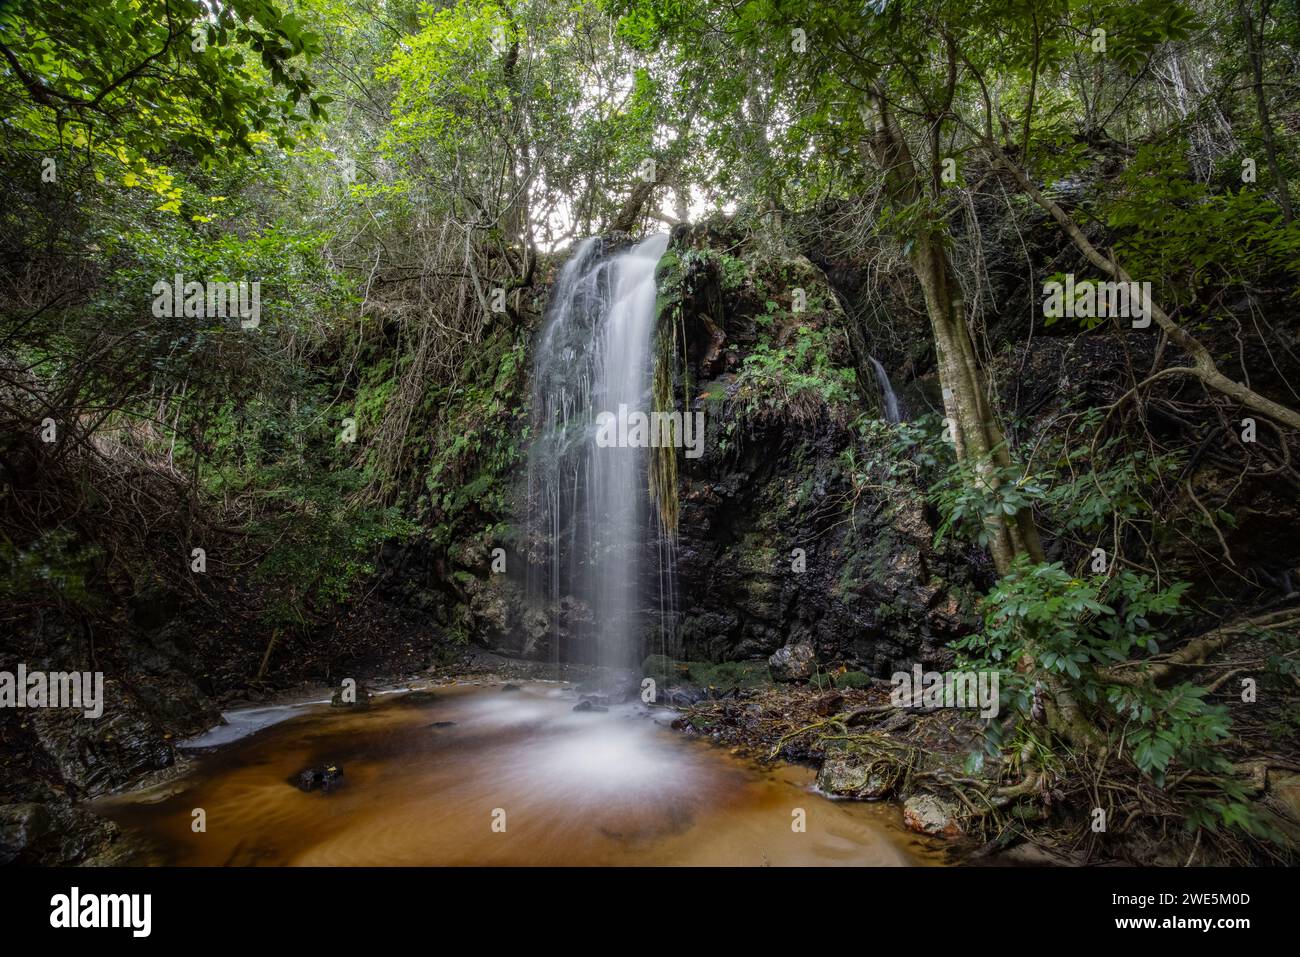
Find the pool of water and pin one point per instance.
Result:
(476, 774)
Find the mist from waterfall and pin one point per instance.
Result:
(589, 512)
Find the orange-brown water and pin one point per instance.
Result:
(434, 782)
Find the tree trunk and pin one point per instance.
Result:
(972, 424)
(1255, 53)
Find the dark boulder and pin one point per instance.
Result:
(355, 698)
(326, 777)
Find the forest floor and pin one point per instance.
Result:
(932, 762)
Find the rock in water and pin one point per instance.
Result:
(359, 698)
(794, 662)
(327, 777)
(416, 699)
(587, 705)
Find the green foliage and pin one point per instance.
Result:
(797, 380)
(890, 457)
(321, 545)
(1076, 487)
(970, 494)
(1196, 242)
(472, 476)
(1091, 500)
(1080, 627)
(1079, 630)
(136, 75)
(736, 271)
(54, 567)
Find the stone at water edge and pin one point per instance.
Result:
(420, 698)
(930, 814)
(843, 775)
(793, 662)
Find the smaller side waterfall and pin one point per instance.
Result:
(888, 398)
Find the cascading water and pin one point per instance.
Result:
(889, 400)
(589, 514)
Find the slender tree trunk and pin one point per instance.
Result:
(1255, 53)
(972, 423)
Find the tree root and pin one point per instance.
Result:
(1200, 648)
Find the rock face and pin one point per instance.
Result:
(150, 697)
(779, 538)
(796, 662)
(53, 834)
(775, 548)
(96, 756)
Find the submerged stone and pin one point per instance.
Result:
(417, 699)
(678, 679)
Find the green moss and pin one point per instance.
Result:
(853, 679)
(704, 674)
(729, 674)
(663, 458)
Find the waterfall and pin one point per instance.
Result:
(889, 400)
(589, 516)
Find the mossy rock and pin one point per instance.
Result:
(853, 679)
(706, 674)
(664, 669)
(729, 674)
